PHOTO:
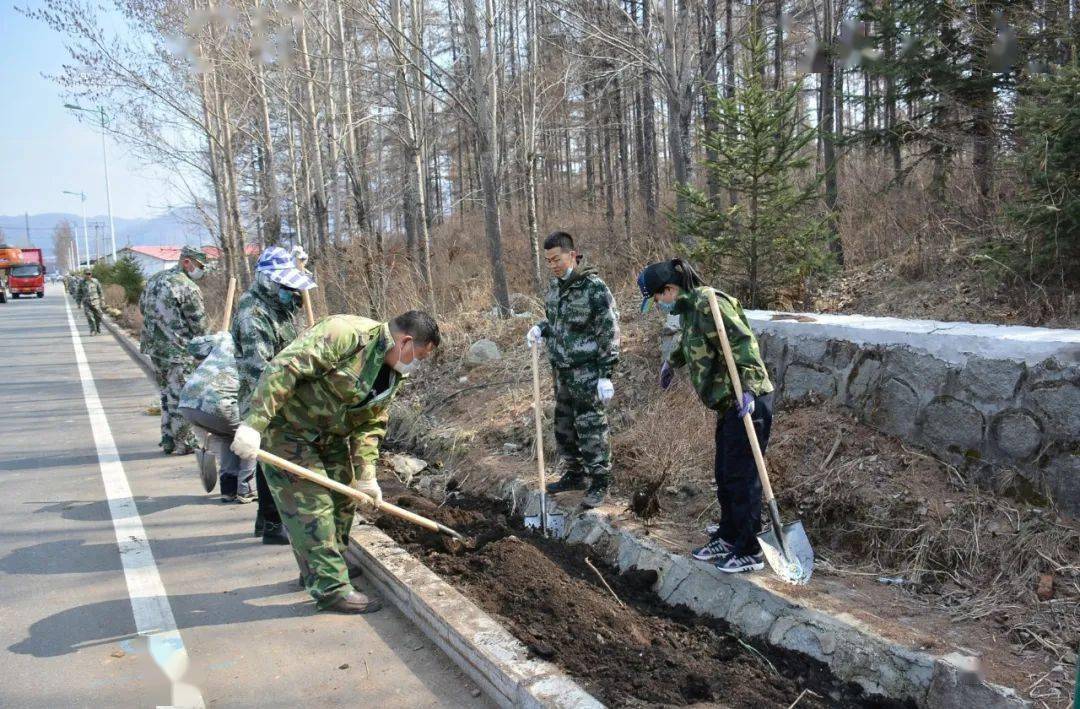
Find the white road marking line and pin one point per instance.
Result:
(149, 600)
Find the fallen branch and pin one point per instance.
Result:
(801, 695)
(603, 581)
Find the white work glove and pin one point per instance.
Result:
(535, 336)
(371, 489)
(605, 390)
(245, 442)
(299, 254)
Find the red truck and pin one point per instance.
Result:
(28, 277)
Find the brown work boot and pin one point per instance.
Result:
(355, 603)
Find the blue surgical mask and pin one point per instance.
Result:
(286, 296)
(667, 308)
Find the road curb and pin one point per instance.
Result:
(130, 346)
(476, 642)
(852, 650)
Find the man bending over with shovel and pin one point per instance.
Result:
(675, 288)
(323, 403)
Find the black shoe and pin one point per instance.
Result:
(735, 564)
(355, 603)
(274, 533)
(596, 495)
(567, 482)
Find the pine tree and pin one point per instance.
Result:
(773, 235)
(1048, 206)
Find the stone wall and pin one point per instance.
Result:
(999, 394)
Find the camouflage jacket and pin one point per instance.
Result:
(90, 294)
(173, 315)
(261, 328)
(700, 351)
(212, 387)
(320, 388)
(582, 326)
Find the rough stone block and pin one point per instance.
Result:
(773, 351)
(862, 380)
(1061, 476)
(1017, 433)
(1059, 406)
(895, 407)
(801, 380)
(1052, 371)
(991, 379)
(482, 352)
(930, 373)
(954, 423)
(809, 350)
(840, 353)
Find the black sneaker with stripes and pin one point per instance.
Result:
(733, 564)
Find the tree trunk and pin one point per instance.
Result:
(484, 90)
(709, 64)
(828, 143)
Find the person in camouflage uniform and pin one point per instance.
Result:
(676, 288)
(173, 314)
(92, 301)
(262, 326)
(77, 292)
(582, 333)
(209, 401)
(323, 403)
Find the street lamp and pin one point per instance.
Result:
(86, 239)
(105, 157)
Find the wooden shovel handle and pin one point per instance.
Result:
(535, 347)
(306, 296)
(230, 296)
(302, 472)
(736, 384)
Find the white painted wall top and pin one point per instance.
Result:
(950, 341)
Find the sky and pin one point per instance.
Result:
(44, 149)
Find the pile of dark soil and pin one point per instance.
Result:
(630, 651)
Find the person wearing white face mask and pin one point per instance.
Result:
(323, 402)
(173, 315)
(582, 335)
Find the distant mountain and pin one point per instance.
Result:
(175, 227)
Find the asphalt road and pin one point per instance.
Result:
(106, 543)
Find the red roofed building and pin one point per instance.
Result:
(152, 259)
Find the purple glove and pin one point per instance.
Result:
(667, 376)
(747, 405)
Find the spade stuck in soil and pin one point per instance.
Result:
(548, 523)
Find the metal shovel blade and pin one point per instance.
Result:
(796, 568)
(556, 523)
(207, 468)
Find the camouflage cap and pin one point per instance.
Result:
(194, 254)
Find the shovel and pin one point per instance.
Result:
(208, 471)
(786, 547)
(548, 523)
(302, 472)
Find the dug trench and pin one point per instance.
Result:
(614, 636)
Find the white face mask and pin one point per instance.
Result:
(196, 273)
(405, 368)
(568, 272)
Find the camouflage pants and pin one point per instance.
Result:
(175, 429)
(318, 520)
(581, 424)
(93, 317)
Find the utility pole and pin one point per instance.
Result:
(29, 241)
(105, 157)
(86, 238)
